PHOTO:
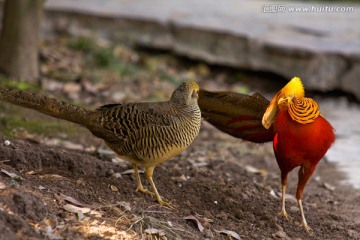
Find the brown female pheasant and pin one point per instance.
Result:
(146, 134)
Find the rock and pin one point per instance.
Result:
(349, 82)
(256, 35)
(281, 235)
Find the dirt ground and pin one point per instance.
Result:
(67, 185)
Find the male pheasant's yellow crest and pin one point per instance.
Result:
(294, 88)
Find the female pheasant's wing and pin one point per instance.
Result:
(123, 120)
(236, 114)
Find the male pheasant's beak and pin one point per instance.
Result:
(281, 100)
(272, 110)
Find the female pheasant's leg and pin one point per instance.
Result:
(140, 187)
(283, 191)
(149, 173)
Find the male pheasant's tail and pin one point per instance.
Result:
(46, 105)
(236, 114)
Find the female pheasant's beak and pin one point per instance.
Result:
(281, 100)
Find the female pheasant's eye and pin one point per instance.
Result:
(195, 94)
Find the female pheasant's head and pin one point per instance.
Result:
(186, 94)
(293, 91)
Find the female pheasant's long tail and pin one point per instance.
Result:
(236, 114)
(46, 105)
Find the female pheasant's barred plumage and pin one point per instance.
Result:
(150, 133)
(304, 110)
(145, 134)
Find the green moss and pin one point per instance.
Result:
(11, 83)
(104, 57)
(15, 120)
(84, 44)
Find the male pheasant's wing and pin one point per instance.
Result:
(125, 120)
(237, 114)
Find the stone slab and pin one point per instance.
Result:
(319, 45)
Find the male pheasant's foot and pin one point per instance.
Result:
(286, 215)
(307, 228)
(145, 191)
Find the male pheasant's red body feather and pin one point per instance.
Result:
(296, 144)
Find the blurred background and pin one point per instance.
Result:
(140, 50)
(95, 52)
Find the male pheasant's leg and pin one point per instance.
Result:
(140, 187)
(283, 191)
(305, 173)
(149, 173)
(303, 220)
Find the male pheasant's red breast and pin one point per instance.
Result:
(296, 143)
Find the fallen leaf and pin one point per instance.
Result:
(7, 143)
(72, 87)
(72, 146)
(2, 186)
(273, 194)
(74, 209)
(288, 197)
(41, 187)
(80, 215)
(52, 176)
(329, 186)
(229, 233)
(194, 219)
(96, 213)
(71, 200)
(12, 175)
(113, 188)
(129, 171)
(125, 205)
(117, 175)
(34, 172)
(154, 231)
(251, 169)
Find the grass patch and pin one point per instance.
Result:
(10, 122)
(84, 44)
(12, 83)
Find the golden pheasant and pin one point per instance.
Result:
(302, 138)
(146, 134)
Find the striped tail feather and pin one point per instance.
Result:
(236, 114)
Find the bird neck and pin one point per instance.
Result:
(303, 110)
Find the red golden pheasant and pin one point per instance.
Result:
(302, 137)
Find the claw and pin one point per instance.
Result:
(307, 228)
(166, 204)
(145, 191)
(286, 215)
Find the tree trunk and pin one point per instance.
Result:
(19, 56)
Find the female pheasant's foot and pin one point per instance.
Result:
(145, 191)
(166, 204)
